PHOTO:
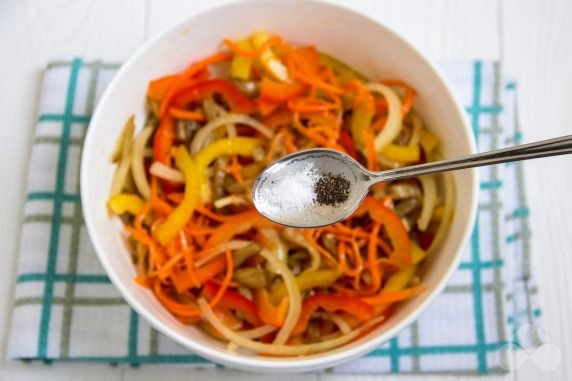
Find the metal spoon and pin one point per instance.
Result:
(321, 161)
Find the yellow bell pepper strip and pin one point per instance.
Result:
(305, 281)
(125, 203)
(401, 154)
(179, 217)
(396, 282)
(269, 60)
(394, 289)
(388, 297)
(267, 312)
(343, 71)
(394, 228)
(240, 67)
(417, 253)
(229, 146)
(428, 141)
(331, 303)
(361, 122)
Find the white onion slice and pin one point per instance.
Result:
(282, 350)
(448, 202)
(342, 325)
(137, 162)
(257, 332)
(394, 121)
(233, 199)
(429, 201)
(294, 297)
(167, 173)
(236, 244)
(417, 127)
(203, 133)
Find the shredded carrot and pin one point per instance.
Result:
(227, 278)
(315, 137)
(313, 104)
(372, 258)
(310, 237)
(342, 260)
(196, 116)
(235, 169)
(273, 145)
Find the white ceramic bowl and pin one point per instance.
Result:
(360, 41)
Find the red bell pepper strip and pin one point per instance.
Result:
(393, 226)
(233, 97)
(164, 140)
(346, 141)
(330, 303)
(162, 144)
(158, 88)
(195, 70)
(234, 301)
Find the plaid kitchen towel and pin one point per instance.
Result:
(65, 308)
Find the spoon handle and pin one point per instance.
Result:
(543, 148)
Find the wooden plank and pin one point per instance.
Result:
(443, 29)
(32, 33)
(536, 48)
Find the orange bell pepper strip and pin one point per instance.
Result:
(158, 87)
(237, 224)
(267, 106)
(268, 312)
(234, 301)
(280, 91)
(330, 303)
(308, 57)
(394, 228)
(183, 282)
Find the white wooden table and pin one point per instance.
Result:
(532, 37)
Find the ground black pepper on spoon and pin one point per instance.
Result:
(331, 189)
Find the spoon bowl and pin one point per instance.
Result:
(287, 191)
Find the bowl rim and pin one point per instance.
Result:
(261, 364)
